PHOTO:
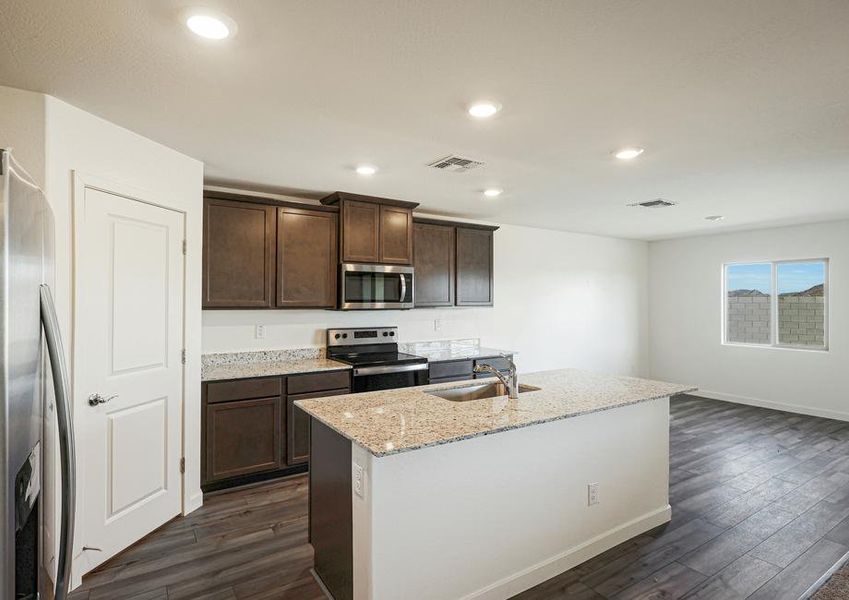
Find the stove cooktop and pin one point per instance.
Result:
(373, 359)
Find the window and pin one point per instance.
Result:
(782, 303)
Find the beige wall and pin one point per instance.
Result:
(22, 129)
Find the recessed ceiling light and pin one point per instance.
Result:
(628, 153)
(715, 218)
(492, 192)
(483, 110)
(366, 170)
(209, 24)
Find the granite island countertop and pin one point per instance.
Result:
(393, 421)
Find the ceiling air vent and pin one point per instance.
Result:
(454, 163)
(656, 203)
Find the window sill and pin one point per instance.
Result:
(819, 350)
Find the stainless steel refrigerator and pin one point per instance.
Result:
(33, 382)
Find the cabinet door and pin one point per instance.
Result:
(474, 267)
(360, 231)
(396, 235)
(238, 254)
(298, 426)
(434, 264)
(243, 437)
(306, 258)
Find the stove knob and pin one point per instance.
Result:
(392, 333)
(385, 333)
(344, 335)
(337, 336)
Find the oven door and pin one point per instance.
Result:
(372, 379)
(375, 286)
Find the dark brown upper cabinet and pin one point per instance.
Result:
(434, 260)
(396, 235)
(306, 258)
(262, 253)
(453, 263)
(374, 230)
(474, 267)
(360, 232)
(238, 254)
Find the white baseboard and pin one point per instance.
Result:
(793, 408)
(193, 502)
(570, 558)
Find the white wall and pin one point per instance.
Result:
(686, 321)
(79, 141)
(561, 300)
(500, 513)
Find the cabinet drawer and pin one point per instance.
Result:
(243, 437)
(318, 382)
(242, 389)
(499, 362)
(453, 368)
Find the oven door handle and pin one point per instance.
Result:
(390, 369)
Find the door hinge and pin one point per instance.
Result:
(184, 247)
(182, 465)
(183, 356)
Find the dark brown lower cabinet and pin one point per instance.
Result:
(252, 429)
(462, 370)
(298, 426)
(243, 437)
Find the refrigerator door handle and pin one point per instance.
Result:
(66, 440)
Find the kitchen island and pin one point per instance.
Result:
(413, 495)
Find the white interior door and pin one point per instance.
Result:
(128, 341)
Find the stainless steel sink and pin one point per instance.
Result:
(478, 392)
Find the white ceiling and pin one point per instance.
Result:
(743, 107)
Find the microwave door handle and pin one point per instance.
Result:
(403, 287)
(67, 459)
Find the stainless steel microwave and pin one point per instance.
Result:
(365, 287)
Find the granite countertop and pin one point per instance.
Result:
(266, 363)
(269, 368)
(393, 421)
(451, 350)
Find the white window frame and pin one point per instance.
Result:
(773, 305)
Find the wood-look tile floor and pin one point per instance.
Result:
(760, 510)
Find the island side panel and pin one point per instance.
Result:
(491, 516)
(330, 509)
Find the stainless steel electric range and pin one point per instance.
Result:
(373, 354)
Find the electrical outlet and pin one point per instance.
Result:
(592, 494)
(259, 332)
(358, 480)
(437, 324)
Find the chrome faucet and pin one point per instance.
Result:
(511, 381)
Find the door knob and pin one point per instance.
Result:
(96, 399)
